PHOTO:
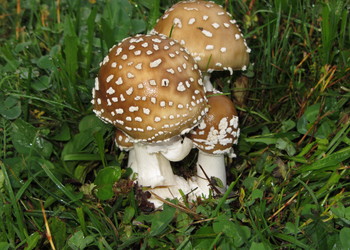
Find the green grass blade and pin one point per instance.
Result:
(46, 165)
(18, 214)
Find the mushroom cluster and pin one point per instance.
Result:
(152, 89)
(209, 33)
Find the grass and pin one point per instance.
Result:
(289, 185)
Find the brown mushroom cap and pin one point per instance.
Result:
(122, 140)
(150, 88)
(208, 32)
(218, 130)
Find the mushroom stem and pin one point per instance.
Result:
(210, 165)
(132, 161)
(148, 166)
(207, 83)
(155, 171)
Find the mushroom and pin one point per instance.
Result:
(209, 33)
(150, 88)
(214, 137)
(125, 143)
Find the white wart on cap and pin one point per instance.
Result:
(208, 32)
(218, 131)
(149, 87)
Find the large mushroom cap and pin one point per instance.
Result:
(208, 32)
(150, 88)
(218, 130)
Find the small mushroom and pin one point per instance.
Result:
(209, 33)
(150, 88)
(214, 137)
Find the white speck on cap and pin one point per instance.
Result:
(109, 78)
(165, 82)
(119, 50)
(215, 25)
(192, 21)
(152, 82)
(105, 60)
(156, 40)
(130, 75)
(133, 108)
(110, 91)
(146, 111)
(138, 119)
(181, 87)
(155, 63)
(138, 66)
(177, 23)
(155, 47)
(119, 111)
(129, 91)
(171, 71)
(97, 84)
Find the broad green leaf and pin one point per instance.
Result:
(63, 133)
(32, 241)
(92, 123)
(257, 194)
(325, 129)
(302, 125)
(42, 83)
(312, 112)
(27, 139)
(104, 181)
(259, 246)
(78, 241)
(287, 145)
(45, 62)
(129, 213)
(161, 220)
(291, 228)
(288, 125)
(240, 234)
(58, 230)
(10, 107)
(344, 237)
(4, 245)
(204, 237)
(22, 46)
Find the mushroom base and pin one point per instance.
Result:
(208, 166)
(154, 170)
